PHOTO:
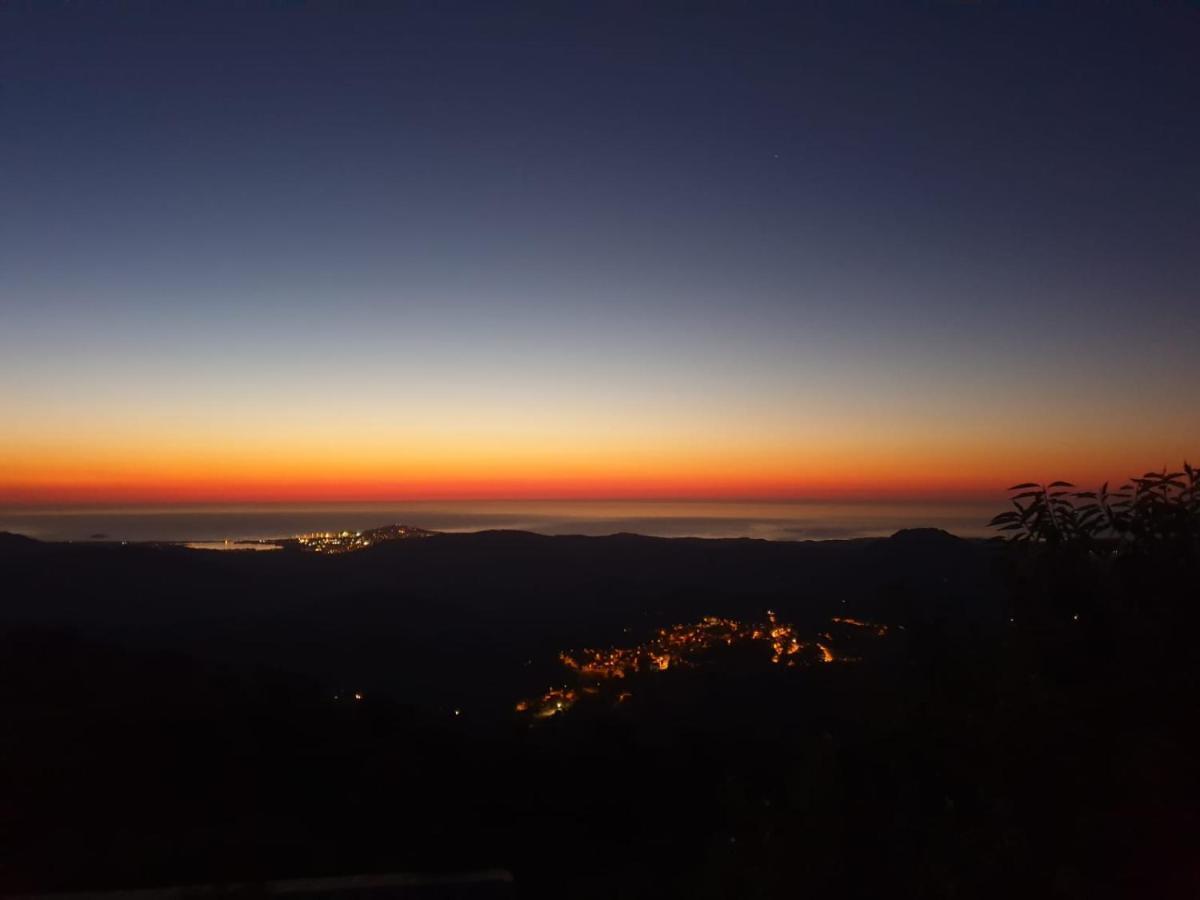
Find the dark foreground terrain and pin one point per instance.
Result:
(175, 716)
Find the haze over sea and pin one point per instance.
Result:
(790, 520)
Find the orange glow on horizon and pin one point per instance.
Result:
(434, 446)
(349, 462)
(230, 480)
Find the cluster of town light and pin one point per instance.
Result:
(333, 541)
(682, 646)
(348, 541)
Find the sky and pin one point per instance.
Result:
(402, 251)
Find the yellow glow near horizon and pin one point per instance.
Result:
(525, 437)
(182, 468)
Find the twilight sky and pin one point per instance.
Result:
(302, 250)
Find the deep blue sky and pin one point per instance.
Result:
(546, 224)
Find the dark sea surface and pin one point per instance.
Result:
(788, 521)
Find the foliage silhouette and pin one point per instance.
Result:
(1151, 515)
(1105, 558)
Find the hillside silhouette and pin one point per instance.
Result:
(181, 716)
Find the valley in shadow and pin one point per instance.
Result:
(599, 716)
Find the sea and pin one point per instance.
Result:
(777, 521)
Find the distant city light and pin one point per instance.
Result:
(330, 542)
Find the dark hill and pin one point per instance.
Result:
(16, 543)
(924, 536)
(176, 716)
(472, 602)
